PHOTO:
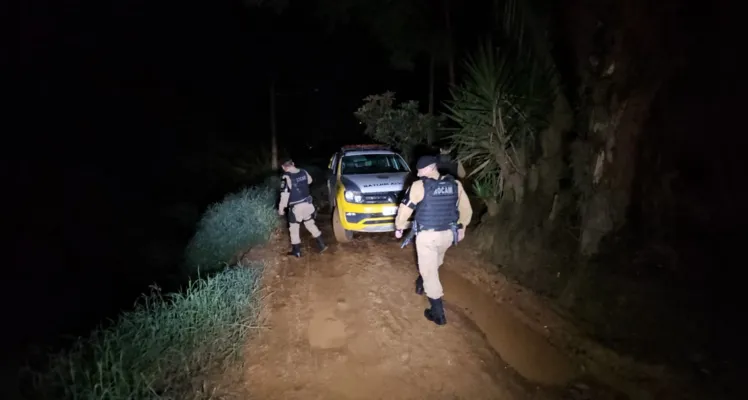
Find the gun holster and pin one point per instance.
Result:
(455, 234)
(290, 216)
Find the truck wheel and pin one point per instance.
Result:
(342, 235)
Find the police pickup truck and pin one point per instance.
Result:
(365, 184)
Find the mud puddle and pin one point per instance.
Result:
(525, 350)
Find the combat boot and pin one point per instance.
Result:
(419, 285)
(295, 250)
(435, 314)
(321, 244)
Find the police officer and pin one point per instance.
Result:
(295, 194)
(443, 212)
(448, 165)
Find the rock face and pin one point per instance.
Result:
(577, 186)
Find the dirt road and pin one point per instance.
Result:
(347, 324)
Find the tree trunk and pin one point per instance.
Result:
(432, 61)
(619, 89)
(513, 172)
(613, 169)
(492, 207)
(273, 130)
(622, 63)
(450, 44)
(496, 14)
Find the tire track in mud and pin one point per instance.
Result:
(525, 350)
(347, 324)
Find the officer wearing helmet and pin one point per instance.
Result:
(442, 212)
(295, 195)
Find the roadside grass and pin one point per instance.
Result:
(168, 342)
(242, 220)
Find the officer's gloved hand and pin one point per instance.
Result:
(399, 233)
(281, 212)
(460, 234)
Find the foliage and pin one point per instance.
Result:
(402, 127)
(488, 187)
(236, 159)
(241, 220)
(156, 350)
(217, 167)
(503, 104)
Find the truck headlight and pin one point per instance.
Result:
(353, 197)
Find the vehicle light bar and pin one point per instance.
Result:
(353, 147)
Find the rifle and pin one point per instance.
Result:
(409, 237)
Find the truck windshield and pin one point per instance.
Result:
(373, 164)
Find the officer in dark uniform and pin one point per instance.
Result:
(447, 165)
(295, 195)
(443, 212)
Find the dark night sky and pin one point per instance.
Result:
(186, 66)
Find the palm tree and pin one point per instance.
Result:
(500, 108)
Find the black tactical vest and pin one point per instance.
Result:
(438, 209)
(299, 187)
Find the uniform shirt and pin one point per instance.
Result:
(416, 194)
(286, 193)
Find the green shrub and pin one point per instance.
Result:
(402, 127)
(156, 350)
(241, 220)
